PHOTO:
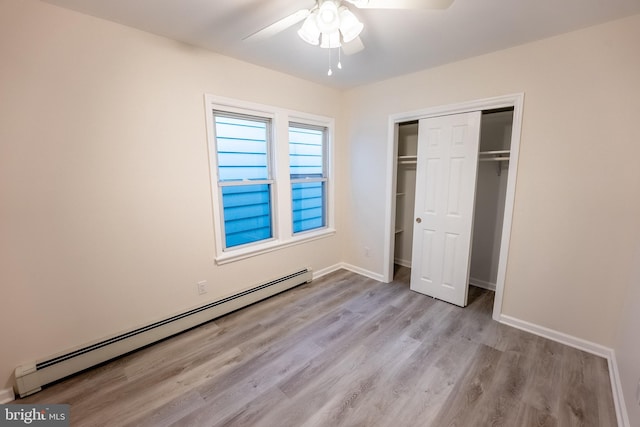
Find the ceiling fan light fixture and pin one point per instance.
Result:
(350, 26)
(309, 31)
(330, 40)
(328, 17)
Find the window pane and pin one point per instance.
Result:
(308, 205)
(306, 160)
(242, 148)
(247, 213)
(305, 152)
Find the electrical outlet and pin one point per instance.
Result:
(202, 287)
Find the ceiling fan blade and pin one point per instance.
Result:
(278, 26)
(401, 4)
(354, 46)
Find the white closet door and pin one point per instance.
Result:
(445, 196)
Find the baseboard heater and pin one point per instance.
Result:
(32, 376)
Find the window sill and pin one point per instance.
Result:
(244, 253)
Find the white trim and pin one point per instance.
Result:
(402, 262)
(509, 204)
(391, 189)
(553, 335)
(482, 284)
(584, 345)
(362, 272)
(514, 100)
(618, 394)
(7, 395)
(328, 270)
(273, 245)
(349, 267)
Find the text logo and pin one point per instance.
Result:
(34, 415)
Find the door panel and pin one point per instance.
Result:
(427, 245)
(445, 197)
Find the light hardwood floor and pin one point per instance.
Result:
(345, 350)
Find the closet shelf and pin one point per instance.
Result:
(495, 159)
(494, 153)
(399, 230)
(497, 155)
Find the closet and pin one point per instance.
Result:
(491, 189)
(405, 191)
(491, 175)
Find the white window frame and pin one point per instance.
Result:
(281, 203)
(324, 178)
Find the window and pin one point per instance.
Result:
(308, 177)
(271, 177)
(242, 145)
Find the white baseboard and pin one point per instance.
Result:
(402, 262)
(340, 266)
(323, 272)
(362, 272)
(7, 395)
(482, 284)
(571, 341)
(616, 389)
(584, 345)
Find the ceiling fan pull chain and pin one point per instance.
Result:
(330, 72)
(339, 60)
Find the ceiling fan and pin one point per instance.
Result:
(331, 24)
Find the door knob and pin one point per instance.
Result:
(418, 220)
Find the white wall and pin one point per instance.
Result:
(106, 219)
(575, 221)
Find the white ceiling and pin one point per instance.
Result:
(396, 41)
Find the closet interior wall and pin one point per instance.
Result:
(491, 190)
(405, 191)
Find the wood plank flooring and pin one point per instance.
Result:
(345, 350)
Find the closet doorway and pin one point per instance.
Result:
(481, 182)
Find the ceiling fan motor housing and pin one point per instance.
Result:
(330, 24)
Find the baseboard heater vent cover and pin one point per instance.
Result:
(32, 376)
